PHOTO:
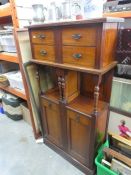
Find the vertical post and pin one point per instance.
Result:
(63, 88)
(96, 95)
(60, 87)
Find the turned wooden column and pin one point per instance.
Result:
(96, 94)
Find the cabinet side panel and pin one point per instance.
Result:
(109, 39)
(101, 126)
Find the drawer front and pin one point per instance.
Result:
(79, 136)
(79, 36)
(42, 37)
(42, 52)
(81, 56)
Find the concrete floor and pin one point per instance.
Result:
(20, 155)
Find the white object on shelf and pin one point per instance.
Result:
(15, 80)
(93, 8)
(77, 9)
(24, 13)
(7, 41)
(24, 22)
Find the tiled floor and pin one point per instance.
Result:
(20, 155)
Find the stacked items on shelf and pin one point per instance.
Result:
(42, 11)
(15, 108)
(114, 157)
(7, 42)
(15, 80)
(24, 12)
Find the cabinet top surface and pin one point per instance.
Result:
(79, 22)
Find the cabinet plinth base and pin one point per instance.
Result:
(66, 156)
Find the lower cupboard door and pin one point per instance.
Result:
(79, 130)
(52, 122)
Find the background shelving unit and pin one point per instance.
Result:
(8, 15)
(123, 14)
(127, 16)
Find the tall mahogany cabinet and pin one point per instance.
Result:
(77, 60)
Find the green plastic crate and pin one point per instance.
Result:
(101, 169)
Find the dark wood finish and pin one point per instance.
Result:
(77, 68)
(85, 105)
(79, 129)
(52, 121)
(79, 36)
(81, 56)
(42, 37)
(87, 43)
(58, 46)
(76, 123)
(109, 37)
(42, 52)
(68, 83)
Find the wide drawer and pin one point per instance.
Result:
(43, 52)
(81, 56)
(42, 37)
(79, 36)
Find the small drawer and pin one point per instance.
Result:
(42, 37)
(43, 52)
(79, 36)
(81, 56)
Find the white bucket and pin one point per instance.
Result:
(93, 8)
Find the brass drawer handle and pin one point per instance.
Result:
(77, 118)
(43, 53)
(40, 36)
(77, 56)
(76, 36)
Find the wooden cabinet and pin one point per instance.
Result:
(68, 83)
(42, 37)
(79, 136)
(74, 117)
(81, 56)
(42, 52)
(82, 36)
(52, 121)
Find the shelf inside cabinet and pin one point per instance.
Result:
(123, 14)
(13, 91)
(11, 57)
(5, 10)
(52, 95)
(85, 105)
